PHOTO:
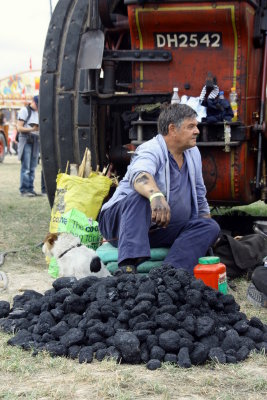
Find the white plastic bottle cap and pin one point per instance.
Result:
(175, 89)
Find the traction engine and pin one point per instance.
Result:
(108, 65)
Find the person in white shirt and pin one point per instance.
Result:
(28, 146)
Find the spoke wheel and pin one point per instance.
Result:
(67, 125)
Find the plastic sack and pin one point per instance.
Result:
(53, 269)
(76, 223)
(194, 103)
(83, 194)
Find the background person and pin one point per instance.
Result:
(28, 146)
(164, 189)
(13, 148)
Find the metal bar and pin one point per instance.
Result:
(138, 55)
(131, 98)
(217, 144)
(253, 3)
(262, 111)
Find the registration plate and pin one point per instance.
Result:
(188, 39)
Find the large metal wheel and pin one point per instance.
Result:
(2, 147)
(66, 126)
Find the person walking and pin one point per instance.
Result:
(161, 201)
(28, 146)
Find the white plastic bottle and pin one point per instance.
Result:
(227, 136)
(221, 95)
(175, 97)
(233, 103)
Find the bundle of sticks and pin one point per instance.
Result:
(85, 168)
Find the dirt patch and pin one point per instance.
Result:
(24, 223)
(18, 282)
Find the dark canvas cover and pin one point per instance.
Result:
(241, 256)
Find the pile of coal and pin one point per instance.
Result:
(166, 316)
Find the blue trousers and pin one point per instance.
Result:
(28, 166)
(129, 221)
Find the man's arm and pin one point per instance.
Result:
(21, 128)
(145, 185)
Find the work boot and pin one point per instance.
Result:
(256, 297)
(126, 269)
(27, 194)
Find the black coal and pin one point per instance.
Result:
(166, 316)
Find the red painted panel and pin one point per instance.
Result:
(235, 62)
(228, 175)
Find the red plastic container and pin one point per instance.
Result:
(212, 272)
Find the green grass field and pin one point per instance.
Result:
(24, 222)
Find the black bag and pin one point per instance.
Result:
(241, 256)
(30, 138)
(25, 122)
(218, 110)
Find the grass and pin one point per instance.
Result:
(24, 222)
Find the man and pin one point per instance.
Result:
(161, 201)
(28, 146)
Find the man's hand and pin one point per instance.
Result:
(161, 212)
(21, 128)
(35, 128)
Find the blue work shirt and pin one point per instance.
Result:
(152, 157)
(180, 192)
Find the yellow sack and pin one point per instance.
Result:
(84, 194)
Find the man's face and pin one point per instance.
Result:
(186, 136)
(34, 105)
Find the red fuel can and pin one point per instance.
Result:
(212, 272)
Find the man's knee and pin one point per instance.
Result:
(135, 199)
(213, 227)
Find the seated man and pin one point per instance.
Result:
(161, 201)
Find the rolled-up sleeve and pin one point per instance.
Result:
(143, 160)
(22, 114)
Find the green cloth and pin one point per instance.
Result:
(109, 253)
(143, 268)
